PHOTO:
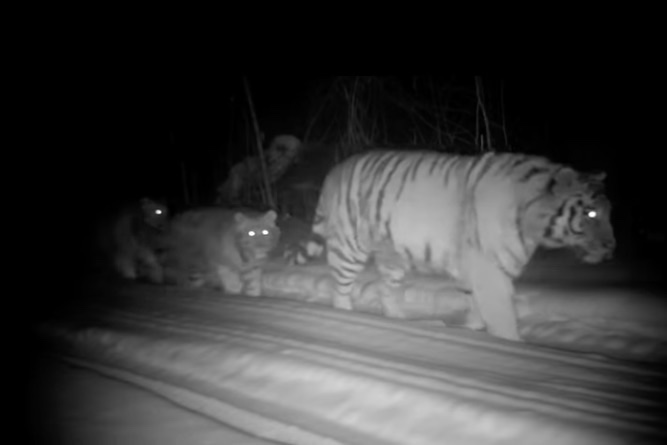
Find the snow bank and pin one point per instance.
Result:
(307, 374)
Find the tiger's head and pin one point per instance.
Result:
(582, 216)
(257, 236)
(155, 214)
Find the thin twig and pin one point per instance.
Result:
(482, 108)
(477, 121)
(195, 191)
(268, 196)
(502, 111)
(184, 177)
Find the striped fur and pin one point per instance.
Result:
(220, 248)
(478, 219)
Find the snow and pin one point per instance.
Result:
(138, 363)
(153, 364)
(75, 406)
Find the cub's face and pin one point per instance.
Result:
(257, 236)
(155, 214)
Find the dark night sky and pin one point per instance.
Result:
(117, 140)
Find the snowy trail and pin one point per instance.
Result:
(77, 406)
(303, 373)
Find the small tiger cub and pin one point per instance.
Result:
(220, 248)
(131, 238)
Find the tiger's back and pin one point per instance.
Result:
(476, 218)
(385, 206)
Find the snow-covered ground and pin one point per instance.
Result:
(163, 365)
(76, 406)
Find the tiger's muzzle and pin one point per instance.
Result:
(596, 252)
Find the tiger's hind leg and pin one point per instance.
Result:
(493, 297)
(393, 269)
(346, 268)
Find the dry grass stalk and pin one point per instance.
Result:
(481, 109)
(266, 188)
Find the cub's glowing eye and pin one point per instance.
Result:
(591, 214)
(158, 212)
(252, 233)
(265, 232)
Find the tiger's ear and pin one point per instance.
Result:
(564, 181)
(597, 176)
(270, 216)
(147, 205)
(239, 217)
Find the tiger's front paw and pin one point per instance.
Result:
(342, 302)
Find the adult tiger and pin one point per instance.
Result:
(476, 218)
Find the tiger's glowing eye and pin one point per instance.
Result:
(591, 214)
(252, 233)
(158, 212)
(265, 232)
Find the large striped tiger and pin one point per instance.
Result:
(220, 248)
(477, 218)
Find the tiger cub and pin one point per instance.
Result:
(130, 240)
(478, 219)
(220, 248)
